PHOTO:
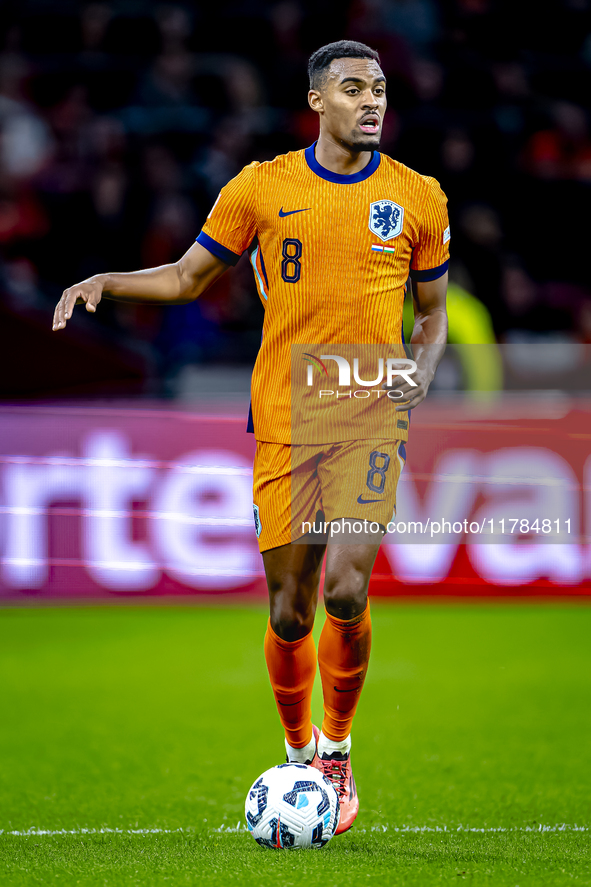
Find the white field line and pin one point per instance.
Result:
(453, 829)
(241, 827)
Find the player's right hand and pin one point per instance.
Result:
(88, 292)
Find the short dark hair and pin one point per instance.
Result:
(343, 49)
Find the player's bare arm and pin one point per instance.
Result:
(428, 338)
(173, 284)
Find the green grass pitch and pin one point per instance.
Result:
(474, 716)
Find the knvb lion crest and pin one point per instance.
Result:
(385, 219)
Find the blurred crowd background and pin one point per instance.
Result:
(120, 121)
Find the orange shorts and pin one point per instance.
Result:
(292, 484)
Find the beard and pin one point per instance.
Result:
(369, 143)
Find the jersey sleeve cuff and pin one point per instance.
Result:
(430, 273)
(216, 249)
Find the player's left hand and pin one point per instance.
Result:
(411, 395)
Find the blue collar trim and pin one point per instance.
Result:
(336, 177)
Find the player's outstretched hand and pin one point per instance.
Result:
(88, 292)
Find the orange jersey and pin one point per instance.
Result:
(331, 256)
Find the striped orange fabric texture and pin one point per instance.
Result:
(323, 274)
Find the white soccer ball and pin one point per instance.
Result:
(292, 806)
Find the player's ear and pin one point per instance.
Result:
(315, 101)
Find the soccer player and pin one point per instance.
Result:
(333, 233)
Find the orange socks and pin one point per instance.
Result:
(343, 656)
(292, 668)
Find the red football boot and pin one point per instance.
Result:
(315, 734)
(337, 768)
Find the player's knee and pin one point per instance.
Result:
(345, 595)
(292, 614)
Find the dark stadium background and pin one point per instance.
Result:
(120, 121)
